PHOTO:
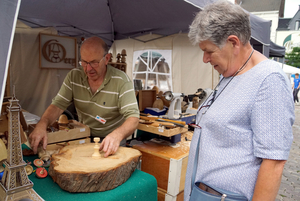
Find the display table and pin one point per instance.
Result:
(140, 186)
(168, 164)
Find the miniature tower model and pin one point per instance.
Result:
(96, 154)
(15, 184)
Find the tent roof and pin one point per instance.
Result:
(110, 20)
(276, 50)
(260, 5)
(119, 19)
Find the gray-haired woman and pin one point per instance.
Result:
(245, 130)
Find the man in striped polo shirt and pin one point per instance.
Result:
(103, 96)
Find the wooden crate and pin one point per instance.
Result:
(166, 163)
(79, 131)
(162, 195)
(146, 98)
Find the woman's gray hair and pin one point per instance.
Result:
(219, 20)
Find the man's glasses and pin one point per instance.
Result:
(93, 64)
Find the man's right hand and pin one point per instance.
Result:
(37, 137)
(39, 134)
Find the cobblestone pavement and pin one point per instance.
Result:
(290, 182)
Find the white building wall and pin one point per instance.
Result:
(295, 40)
(281, 35)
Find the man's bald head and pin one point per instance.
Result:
(95, 42)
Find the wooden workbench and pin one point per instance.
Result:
(167, 163)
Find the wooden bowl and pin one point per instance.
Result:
(38, 162)
(28, 169)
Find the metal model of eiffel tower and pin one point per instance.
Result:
(15, 184)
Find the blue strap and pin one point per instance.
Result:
(195, 162)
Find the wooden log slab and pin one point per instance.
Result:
(74, 169)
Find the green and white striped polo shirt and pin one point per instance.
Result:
(113, 102)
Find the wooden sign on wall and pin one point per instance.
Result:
(57, 51)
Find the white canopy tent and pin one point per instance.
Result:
(289, 69)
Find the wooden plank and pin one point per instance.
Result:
(180, 196)
(156, 166)
(162, 195)
(183, 172)
(163, 132)
(146, 98)
(165, 151)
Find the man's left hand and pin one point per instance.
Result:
(110, 144)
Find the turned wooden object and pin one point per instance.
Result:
(123, 56)
(195, 102)
(75, 170)
(158, 103)
(63, 122)
(118, 58)
(96, 154)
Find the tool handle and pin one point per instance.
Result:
(166, 124)
(160, 119)
(173, 121)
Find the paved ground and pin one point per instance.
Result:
(290, 183)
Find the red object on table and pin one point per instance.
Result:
(41, 172)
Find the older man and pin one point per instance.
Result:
(103, 96)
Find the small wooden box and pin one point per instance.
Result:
(146, 98)
(78, 131)
(166, 163)
(162, 195)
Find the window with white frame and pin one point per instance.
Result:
(153, 68)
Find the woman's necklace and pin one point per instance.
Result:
(212, 100)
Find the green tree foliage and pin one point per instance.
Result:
(293, 58)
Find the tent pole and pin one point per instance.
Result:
(112, 23)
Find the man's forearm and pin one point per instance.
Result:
(127, 128)
(49, 116)
(268, 180)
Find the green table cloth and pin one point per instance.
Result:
(140, 186)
